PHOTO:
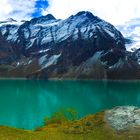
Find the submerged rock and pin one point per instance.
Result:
(123, 118)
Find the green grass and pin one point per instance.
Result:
(61, 116)
(63, 125)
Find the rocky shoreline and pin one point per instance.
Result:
(119, 123)
(125, 118)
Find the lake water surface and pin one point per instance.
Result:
(25, 104)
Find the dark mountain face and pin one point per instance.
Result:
(82, 46)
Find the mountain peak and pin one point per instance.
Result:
(10, 20)
(42, 19)
(50, 17)
(86, 14)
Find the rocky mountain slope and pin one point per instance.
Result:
(81, 46)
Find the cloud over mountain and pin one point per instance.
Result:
(114, 11)
(17, 9)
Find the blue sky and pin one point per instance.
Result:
(40, 4)
(22, 9)
(113, 11)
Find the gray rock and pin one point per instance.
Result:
(123, 118)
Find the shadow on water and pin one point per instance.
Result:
(25, 104)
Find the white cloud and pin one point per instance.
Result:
(5, 8)
(17, 9)
(114, 11)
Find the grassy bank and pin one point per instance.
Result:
(91, 127)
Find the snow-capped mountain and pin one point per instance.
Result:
(9, 20)
(131, 31)
(81, 46)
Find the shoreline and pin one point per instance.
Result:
(71, 79)
(92, 126)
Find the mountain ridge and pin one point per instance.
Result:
(81, 46)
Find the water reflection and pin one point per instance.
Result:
(24, 104)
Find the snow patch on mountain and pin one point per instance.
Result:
(109, 32)
(45, 62)
(48, 24)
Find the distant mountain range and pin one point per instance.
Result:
(82, 46)
(131, 31)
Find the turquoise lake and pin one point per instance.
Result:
(25, 104)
